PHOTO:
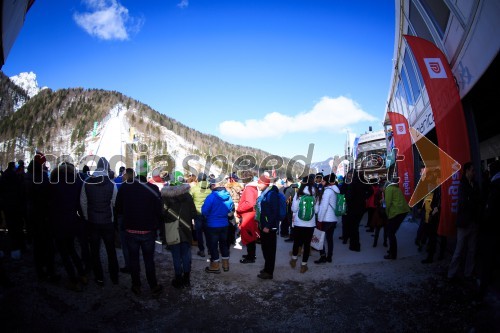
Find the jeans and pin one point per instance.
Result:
(200, 230)
(181, 256)
(122, 233)
(106, 232)
(466, 240)
(146, 243)
(217, 240)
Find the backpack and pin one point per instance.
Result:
(341, 207)
(283, 207)
(290, 197)
(306, 207)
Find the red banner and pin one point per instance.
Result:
(402, 141)
(451, 129)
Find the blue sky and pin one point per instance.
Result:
(274, 74)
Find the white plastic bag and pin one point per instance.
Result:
(318, 239)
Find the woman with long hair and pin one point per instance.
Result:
(327, 220)
(304, 220)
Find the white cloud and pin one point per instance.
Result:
(329, 114)
(183, 4)
(107, 19)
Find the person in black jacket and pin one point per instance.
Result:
(139, 202)
(286, 228)
(12, 192)
(64, 202)
(469, 200)
(97, 200)
(489, 232)
(356, 193)
(43, 243)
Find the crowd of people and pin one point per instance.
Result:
(67, 212)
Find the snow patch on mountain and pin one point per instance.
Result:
(28, 82)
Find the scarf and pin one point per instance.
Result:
(258, 204)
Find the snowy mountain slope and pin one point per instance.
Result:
(113, 134)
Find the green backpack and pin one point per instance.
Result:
(341, 207)
(306, 207)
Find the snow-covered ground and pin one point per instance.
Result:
(111, 139)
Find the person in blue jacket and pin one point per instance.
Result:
(267, 215)
(216, 209)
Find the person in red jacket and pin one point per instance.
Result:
(248, 225)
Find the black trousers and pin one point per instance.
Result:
(251, 247)
(268, 244)
(328, 228)
(69, 257)
(303, 236)
(352, 221)
(391, 228)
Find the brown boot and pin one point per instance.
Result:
(213, 268)
(303, 268)
(293, 262)
(225, 264)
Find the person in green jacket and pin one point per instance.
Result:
(396, 208)
(200, 192)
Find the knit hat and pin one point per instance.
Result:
(264, 179)
(141, 167)
(40, 158)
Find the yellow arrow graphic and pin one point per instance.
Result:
(436, 161)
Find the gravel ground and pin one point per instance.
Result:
(366, 296)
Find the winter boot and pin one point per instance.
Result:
(186, 281)
(213, 268)
(177, 283)
(225, 264)
(293, 262)
(321, 260)
(303, 268)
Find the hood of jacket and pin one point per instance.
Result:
(224, 195)
(102, 168)
(334, 187)
(204, 184)
(234, 185)
(175, 191)
(252, 183)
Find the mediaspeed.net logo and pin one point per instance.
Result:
(297, 167)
